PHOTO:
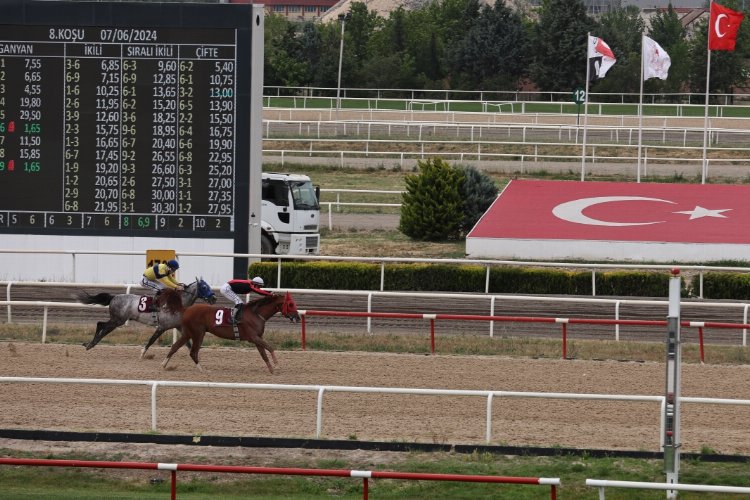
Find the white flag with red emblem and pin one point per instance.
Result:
(600, 56)
(656, 61)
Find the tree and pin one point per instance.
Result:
(559, 43)
(622, 29)
(432, 206)
(492, 54)
(478, 192)
(283, 61)
(668, 32)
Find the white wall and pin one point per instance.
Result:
(109, 268)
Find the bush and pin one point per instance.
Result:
(478, 192)
(432, 205)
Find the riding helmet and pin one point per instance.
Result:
(173, 264)
(258, 281)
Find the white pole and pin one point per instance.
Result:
(672, 407)
(640, 113)
(585, 109)
(342, 18)
(705, 120)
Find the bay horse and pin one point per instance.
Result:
(201, 318)
(127, 306)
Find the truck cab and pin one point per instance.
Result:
(290, 215)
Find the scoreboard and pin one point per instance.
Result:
(126, 119)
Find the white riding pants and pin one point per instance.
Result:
(226, 291)
(154, 285)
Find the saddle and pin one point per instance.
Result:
(146, 303)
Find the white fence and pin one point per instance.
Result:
(742, 309)
(703, 488)
(69, 273)
(321, 390)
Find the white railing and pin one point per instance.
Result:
(374, 96)
(486, 263)
(321, 390)
(704, 488)
(447, 297)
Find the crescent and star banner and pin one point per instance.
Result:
(575, 217)
(722, 27)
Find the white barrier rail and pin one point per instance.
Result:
(493, 299)
(705, 488)
(321, 390)
(487, 263)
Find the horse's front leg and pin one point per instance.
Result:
(262, 347)
(158, 333)
(175, 347)
(263, 355)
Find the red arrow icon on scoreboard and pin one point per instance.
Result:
(11, 165)
(11, 126)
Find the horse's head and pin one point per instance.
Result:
(203, 291)
(289, 308)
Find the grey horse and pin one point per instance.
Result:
(127, 306)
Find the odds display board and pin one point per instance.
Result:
(652, 222)
(126, 119)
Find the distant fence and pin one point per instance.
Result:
(365, 475)
(519, 319)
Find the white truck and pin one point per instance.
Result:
(290, 215)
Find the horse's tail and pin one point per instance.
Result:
(102, 299)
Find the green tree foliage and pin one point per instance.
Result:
(667, 30)
(432, 205)
(458, 44)
(478, 191)
(622, 29)
(559, 42)
(284, 62)
(492, 54)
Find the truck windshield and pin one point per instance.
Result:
(303, 195)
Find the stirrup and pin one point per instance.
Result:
(237, 316)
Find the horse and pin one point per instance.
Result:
(126, 306)
(201, 318)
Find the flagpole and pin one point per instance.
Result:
(585, 109)
(640, 114)
(704, 171)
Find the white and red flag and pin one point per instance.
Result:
(656, 61)
(600, 57)
(722, 27)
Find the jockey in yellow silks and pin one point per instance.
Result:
(161, 276)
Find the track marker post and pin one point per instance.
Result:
(672, 406)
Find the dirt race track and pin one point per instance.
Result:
(403, 418)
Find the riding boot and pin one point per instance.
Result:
(155, 303)
(237, 313)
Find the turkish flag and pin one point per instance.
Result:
(722, 27)
(613, 211)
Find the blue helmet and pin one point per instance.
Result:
(173, 264)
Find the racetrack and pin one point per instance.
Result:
(407, 418)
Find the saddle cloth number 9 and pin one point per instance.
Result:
(223, 317)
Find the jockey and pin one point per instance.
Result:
(231, 288)
(161, 276)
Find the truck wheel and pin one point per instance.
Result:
(265, 245)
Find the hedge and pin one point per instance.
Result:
(503, 279)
